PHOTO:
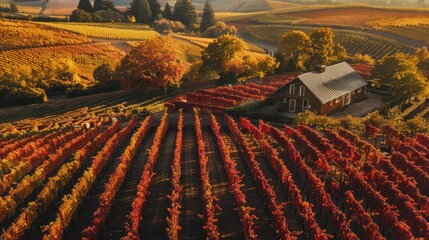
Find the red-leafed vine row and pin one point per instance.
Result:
(405, 184)
(70, 203)
(316, 185)
(14, 157)
(370, 152)
(275, 210)
(404, 203)
(210, 227)
(135, 216)
(412, 154)
(29, 183)
(371, 230)
(323, 146)
(27, 164)
(173, 225)
(377, 202)
(423, 139)
(311, 152)
(208, 99)
(374, 198)
(304, 208)
(401, 161)
(371, 131)
(343, 145)
(52, 188)
(115, 180)
(246, 216)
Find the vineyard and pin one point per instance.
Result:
(413, 27)
(87, 57)
(113, 31)
(351, 16)
(219, 98)
(21, 34)
(353, 41)
(195, 175)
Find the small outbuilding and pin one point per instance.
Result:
(323, 91)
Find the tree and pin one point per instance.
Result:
(297, 50)
(13, 7)
(294, 49)
(153, 63)
(85, 5)
(105, 73)
(219, 29)
(144, 14)
(362, 59)
(221, 50)
(133, 9)
(168, 13)
(208, 18)
(408, 84)
(155, 8)
(79, 15)
(385, 69)
(422, 58)
(165, 26)
(323, 45)
(226, 56)
(103, 5)
(243, 67)
(184, 12)
(108, 16)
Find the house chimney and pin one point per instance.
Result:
(320, 68)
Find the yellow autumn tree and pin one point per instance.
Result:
(154, 63)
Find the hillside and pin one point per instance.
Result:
(21, 34)
(354, 41)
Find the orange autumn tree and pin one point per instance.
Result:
(154, 63)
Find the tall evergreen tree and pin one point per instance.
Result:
(168, 13)
(184, 12)
(13, 7)
(208, 18)
(155, 8)
(85, 5)
(133, 8)
(103, 5)
(144, 14)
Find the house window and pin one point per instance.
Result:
(292, 89)
(301, 91)
(305, 105)
(337, 100)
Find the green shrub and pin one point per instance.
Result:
(24, 95)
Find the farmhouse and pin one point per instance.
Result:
(323, 91)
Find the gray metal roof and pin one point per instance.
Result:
(336, 81)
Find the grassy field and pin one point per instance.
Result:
(120, 31)
(22, 34)
(353, 41)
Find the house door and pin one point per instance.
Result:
(347, 99)
(292, 105)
